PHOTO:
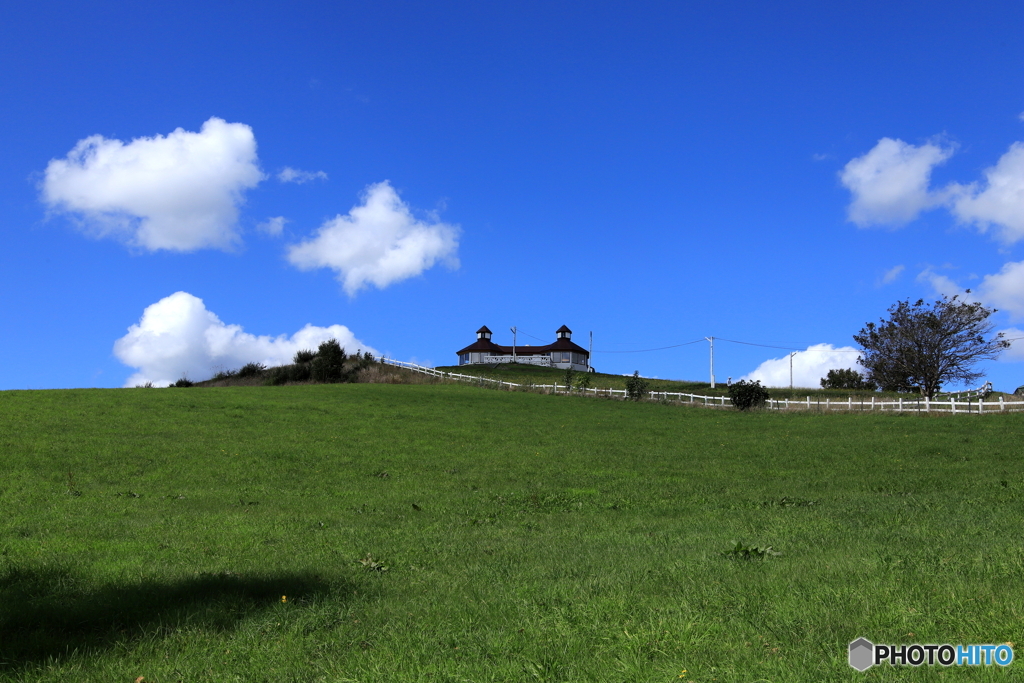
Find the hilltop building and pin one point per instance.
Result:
(563, 353)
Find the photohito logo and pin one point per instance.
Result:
(864, 654)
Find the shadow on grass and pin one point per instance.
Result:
(48, 614)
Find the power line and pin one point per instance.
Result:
(767, 346)
(660, 348)
(529, 335)
(736, 341)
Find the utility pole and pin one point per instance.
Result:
(513, 328)
(791, 370)
(590, 356)
(712, 340)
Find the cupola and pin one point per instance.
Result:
(483, 333)
(563, 332)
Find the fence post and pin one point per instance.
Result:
(849, 405)
(981, 405)
(952, 403)
(1002, 406)
(808, 403)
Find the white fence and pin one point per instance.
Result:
(904, 405)
(981, 392)
(525, 360)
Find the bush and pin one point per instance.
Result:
(252, 370)
(299, 372)
(569, 378)
(225, 374)
(329, 364)
(183, 382)
(636, 387)
(582, 382)
(746, 395)
(278, 376)
(845, 379)
(360, 361)
(304, 356)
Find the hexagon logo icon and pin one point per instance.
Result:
(862, 654)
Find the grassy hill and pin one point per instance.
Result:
(537, 375)
(370, 532)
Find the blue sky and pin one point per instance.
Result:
(191, 186)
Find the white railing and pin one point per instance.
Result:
(525, 360)
(903, 405)
(981, 392)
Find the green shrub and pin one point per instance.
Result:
(636, 387)
(845, 379)
(299, 372)
(569, 378)
(252, 370)
(582, 382)
(329, 364)
(225, 374)
(304, 356)
(183, 382)
(359, 361)
(746, 395)
(278, 376)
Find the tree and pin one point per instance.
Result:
(329, 363)
(845, 379)
(746, 395)
(636, 387)
(569, 378)
(924, 346)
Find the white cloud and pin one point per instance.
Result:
(379, 242)
(178, 336)
(180, 192)
(273, 226)
(891, 274)
(942, 284)
(1016, 351)
(809, 366)
(294, 175)
(890, 183)
(999, 202)
(1003, 290)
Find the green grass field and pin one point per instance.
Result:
(449, 533)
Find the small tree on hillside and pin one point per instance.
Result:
(845, 379)
(582, 382)
(329, 364)
(927, 345)
(636, 387)
(304, 356)
(569, 378)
